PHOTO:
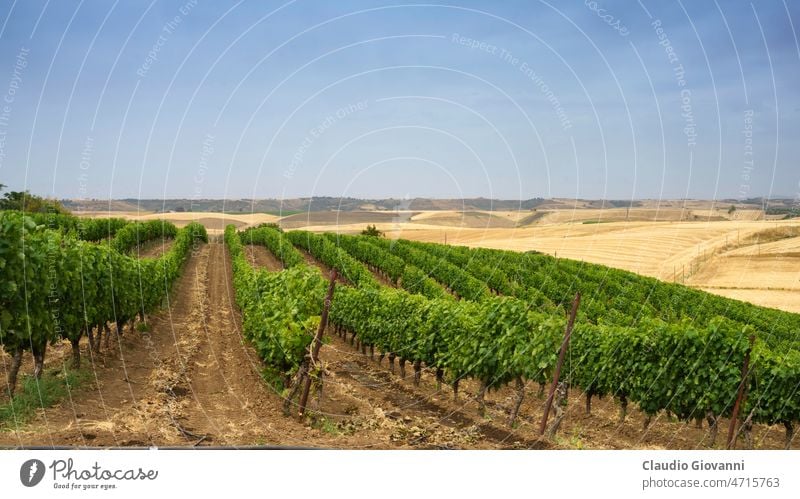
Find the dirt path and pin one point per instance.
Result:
(226, 399)
(261, 257)
(153, 249)
(361, 395)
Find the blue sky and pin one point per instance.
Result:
(575, 99)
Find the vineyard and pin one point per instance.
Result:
(498, 317)
(405, 317)
(66, 278)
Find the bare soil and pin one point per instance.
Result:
(261, 257)
(153, 248)
(361, 397)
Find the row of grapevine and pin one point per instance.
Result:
(407, 276)
(333, 256)
(280, 310)
(542, 282)
(57, 287)
(123, 235)
(87, 229)
(494, 341)
(439, 332)
(692, 372)
(619, 297)
(494, 277)
(136, 233)
(678, 368)
(454, 278)
(276, 242)
(682, 367)
(689, 368)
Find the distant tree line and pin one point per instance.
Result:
(27, 202)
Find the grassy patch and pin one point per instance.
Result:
(275, 379)
(142, 327)
(32, 395)
(573, 441)
(326, 425)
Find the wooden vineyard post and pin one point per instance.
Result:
(740, 394)
(561, 354)
(317, 344)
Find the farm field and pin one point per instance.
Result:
(695, 253)
(702, 253)
(192, 374)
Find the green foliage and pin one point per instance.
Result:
(333, 256)
(775, 386)
(86, 229)
(55, 286)
(681, 368)
(280, 310)
(134, 234)
(395, 268)
(97, 229)
(372, 231)
(275, 241)
(24, 288)
(611, 296)
(492, 275)
(30, 203)
(448, 274)
(495, 340)
(663, 346)
(48, 390)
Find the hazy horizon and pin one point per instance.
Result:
(433, 198)
(373, 100)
